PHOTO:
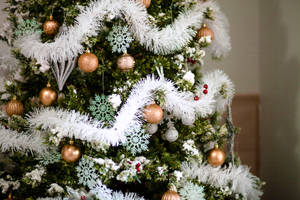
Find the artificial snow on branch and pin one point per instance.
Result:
(237, 178)
(21, 142)
(74, 124)
(67, 44)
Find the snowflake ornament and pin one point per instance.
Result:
(192, 191)
(102, 109)
(86, 172)
(50, 158)
(27, 26)
(120, 39)
(137, 141)
(101, 191)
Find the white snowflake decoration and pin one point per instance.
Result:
(120, 39)
(192, 191)
(137, 141)
(86, 172)
(101, 191)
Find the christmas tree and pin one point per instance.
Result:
(106, 100)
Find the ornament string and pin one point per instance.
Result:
(231, 133)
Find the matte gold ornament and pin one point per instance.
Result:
(216, 157)
(88, 62)
(170, 195)
(48, 95)
(51, 27)
(70, 153)
(14, 107)
(204, 31)
(153, 114)
(125, 62)
(146, 3)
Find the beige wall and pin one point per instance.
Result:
(242, 64)
(280, 94)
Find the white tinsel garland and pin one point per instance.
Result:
(237, 178)
(21, 142)
(67, 44)
(180, 105)
(73, 124)
(88, 23)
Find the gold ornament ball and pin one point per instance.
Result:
(205, 31)
(216, 157)
(51, 27)
(14, 107)
(153, 114)
(70, 153)
(146, 3)
(125, 62)
(170, 195)
(47, 95)
(88, 62)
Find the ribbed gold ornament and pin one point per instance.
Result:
(14, 107)
(50, 27)
(88, 62)
(205, 31)
(125, 62)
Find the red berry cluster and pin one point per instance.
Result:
(191, 60)
(205, 91)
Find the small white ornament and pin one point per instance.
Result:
(188, 121)
(171, 135)
(152, 128)
(189, 77)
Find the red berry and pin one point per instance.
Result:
(205, 91)
(205, 86)
(196, 98)
(138, 167)
(194, 61)
(83, 198)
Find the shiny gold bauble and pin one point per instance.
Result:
(14, 107)
(88, 62)
(216, 157)
(205, 31)
(170, 195)
(70, 153)
(51, 27)
(47, 95)
(146, 3)
(125, 62)
(153, 114)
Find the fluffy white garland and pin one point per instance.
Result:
(67, 44)
(20, 142)
(74, 124)
(237, 178)
(171, 38)
(180, 104)
(216, 80)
